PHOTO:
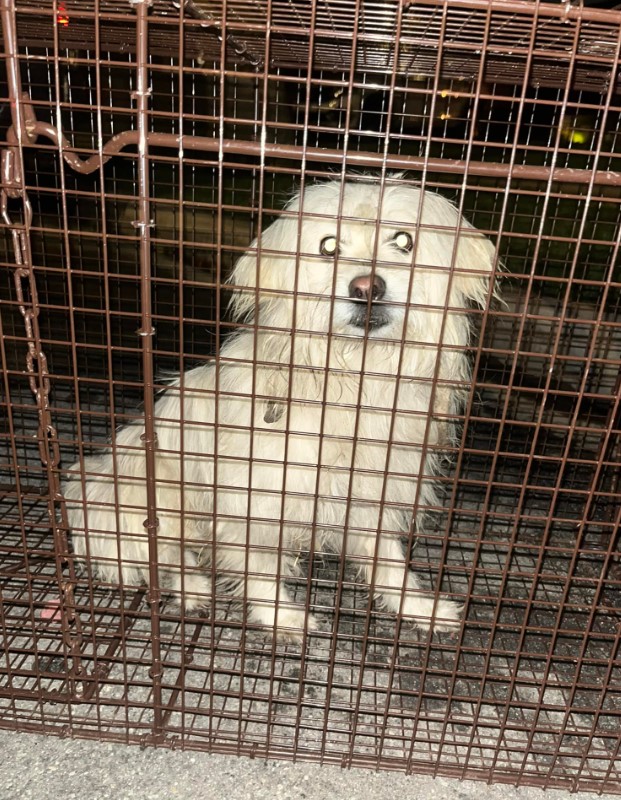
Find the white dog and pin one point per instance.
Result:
(319, 424)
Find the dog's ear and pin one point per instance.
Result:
(456, 243)
(267, 268)
(474, 263)
(243, 280)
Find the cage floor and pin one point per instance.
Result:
(530, 687)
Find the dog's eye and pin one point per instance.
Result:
(403, 241)
(328, 246)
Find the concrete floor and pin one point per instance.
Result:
(35, 767)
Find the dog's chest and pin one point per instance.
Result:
(345, 420)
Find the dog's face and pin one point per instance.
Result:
(359, 269)
(353, 260)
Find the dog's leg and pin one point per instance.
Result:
(425, 610)
(258, 573)
(271, 604)
(188, 583)
(392, 574)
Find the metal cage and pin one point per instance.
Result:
(144, 145)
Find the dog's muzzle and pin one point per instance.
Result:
(366, 293)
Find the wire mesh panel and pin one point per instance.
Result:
(311, 354)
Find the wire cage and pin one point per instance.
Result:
(145, 145)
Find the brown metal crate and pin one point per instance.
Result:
(144, 147)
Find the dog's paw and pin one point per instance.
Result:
(195, 591)
(439, 615)
(290, 624)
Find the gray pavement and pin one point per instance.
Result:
(34, 767)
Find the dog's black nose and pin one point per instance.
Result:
(363, 285)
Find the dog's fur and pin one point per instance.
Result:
(310, 428)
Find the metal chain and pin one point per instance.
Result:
(39, 381)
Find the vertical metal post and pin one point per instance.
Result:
(144, 223)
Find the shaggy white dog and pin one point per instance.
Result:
(319, 423)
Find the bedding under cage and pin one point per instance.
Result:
(144, 146)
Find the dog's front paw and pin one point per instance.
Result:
(439, 615)
(195, 592)
(290, 624)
